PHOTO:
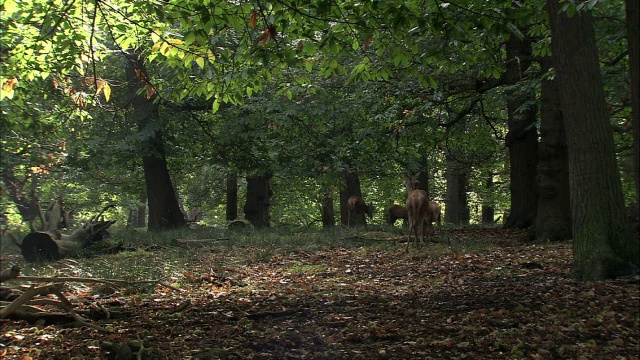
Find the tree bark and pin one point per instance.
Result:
(352, 188)
(164, 210)
(488, 210)
(522, 138)
(456, 206)
(258, 201)
(633, 30)
(232, 196)
(553, 221)
(603, 244)
(328, 214)
(25, 203)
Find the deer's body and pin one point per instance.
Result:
(397, 212)
(418, 214)
(435, 213)
(357, 205)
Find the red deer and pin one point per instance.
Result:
(435, 212)
(357, 205)
(418, 213)
(397, 212)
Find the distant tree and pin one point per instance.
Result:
(258, 202)
(164, 210)
(232, 196)
(522, 139)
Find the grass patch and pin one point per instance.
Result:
(309, 269)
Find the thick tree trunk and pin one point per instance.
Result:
(352, 188)
(328, 214)
(258, 202)
(553, 221)
(488, 210)
(633, 30)
(603, 244)
(522, 139)
(164, 210)
(456, 207)
(232, 196)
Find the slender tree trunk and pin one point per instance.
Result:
(164, 211)
(603, 244)
(553, 221)
(456, 207)
(328, 214)
(633, 30)
(488, 211)
(141, 220)
(258, 202)
(232, 196)
(522, 139)
(352, 188)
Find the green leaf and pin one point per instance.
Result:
(200, 62)
(216, 104)
(189, 38)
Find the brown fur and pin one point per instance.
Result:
(418, 213)
(435, 212)
(356, 204)
(397, 212)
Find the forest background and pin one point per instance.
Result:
(162, 107)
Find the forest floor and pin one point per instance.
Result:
(508, 300)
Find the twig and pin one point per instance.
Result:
(28, 295)
(69, 307)
(112, 282)
(140, 351)
(198, 241)
(182, 306)
(14, 240)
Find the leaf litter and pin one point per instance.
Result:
(510, 300)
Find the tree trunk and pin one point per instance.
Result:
(553, 221)
(51, 246)
(423, 177)
(232, 196)
(456, 208)
(488, 211)
(141, 214)
(603, 245)
(352, 188)
(522, 139)
(164, 211)
(25, 203)
(44, 246)
(328, 214)
(633, 30)
(138, 216)
(258, 202)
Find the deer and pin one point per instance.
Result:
(436, 213)
(356, 204)
(397, 212)
(418, 214)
